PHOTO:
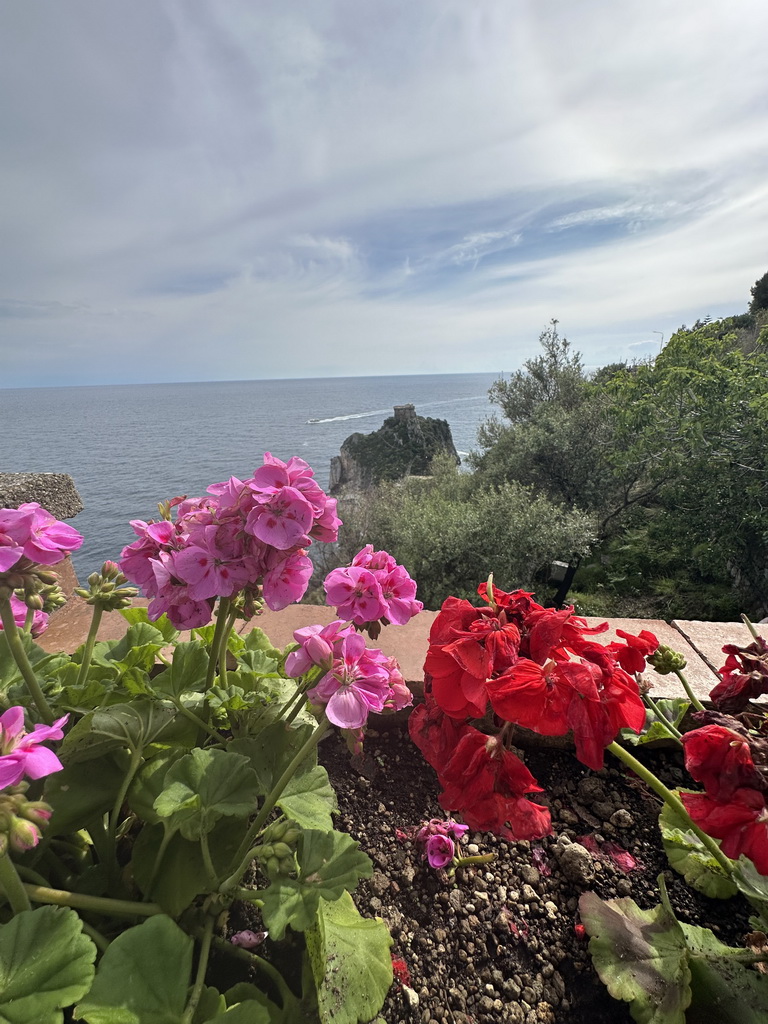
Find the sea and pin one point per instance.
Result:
(129, 446)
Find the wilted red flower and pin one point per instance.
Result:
(400, 971)
(721, 761)
(745, 676)
(741, 824)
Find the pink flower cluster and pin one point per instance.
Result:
(373, 588)
(437, 839)
(245, 533)
(31, 532)
(21, 752)
(357, 679)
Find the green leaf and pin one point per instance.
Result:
(43, 663)
(148, 784)
(640, 956)
(211, 1004)
(134, 726)
(739, 994)
(187, 671)
(46, 964)
(235, 644)
(203, 786)
(245, 994)
(690, 857)
(273, 749)
(754, 886)
(259, 662)
(83, 790)
(257, 640)
(672, 711)
(163, 624)
(181, 875)
(351, 962)
(142, 978)
(329, 864)
(309, 799)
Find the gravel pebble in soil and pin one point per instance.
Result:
(497, 943)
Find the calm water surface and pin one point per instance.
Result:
(129, 446)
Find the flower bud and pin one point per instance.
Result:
(34, 602)
(23, 835)
(665, 660)
(36, 811)
(282, 850)
(94, 579)
(291, 836)
(110, 570)
(47, 578)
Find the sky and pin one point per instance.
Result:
(240, 189)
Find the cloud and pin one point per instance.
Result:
(195, 191)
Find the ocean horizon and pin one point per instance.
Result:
(128, 446)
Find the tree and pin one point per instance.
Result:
(759, 294)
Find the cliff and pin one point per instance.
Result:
(404, 446)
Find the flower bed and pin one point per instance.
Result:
(179, 845)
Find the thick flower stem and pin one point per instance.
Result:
(98, 904)
(213, 656)
(672, 801)
(114, 817)
(749, 626)
(480, 858)
(189, 714)
(90, 642)
(12, 885)
(256, 961)
(687, 687)
(269, 803)
(16, 648)
(202, 967)
(673, 731)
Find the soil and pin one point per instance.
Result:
(497, 944)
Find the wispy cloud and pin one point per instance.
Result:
(243, 189)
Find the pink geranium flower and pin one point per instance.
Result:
(282, 519)
(22, 753)
(318, 645)
(440, 851)
(356, 595)
(357, 684)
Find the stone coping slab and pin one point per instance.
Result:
(698, 673)
(700, 642)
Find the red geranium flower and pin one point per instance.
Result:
(745, 676)
(741, 824)
(632, 656)
(721, 760)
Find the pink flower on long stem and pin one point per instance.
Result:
(22, 753)
(440, 851)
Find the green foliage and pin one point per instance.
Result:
(399, 448)
(670, 712)
(452, 530)
(759, 293)
(46, 964)
(350, 962)
(669, 973)
(142, 978)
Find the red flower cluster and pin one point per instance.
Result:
(480, 778)
(733, 808)
(744, 676)
(538, 669)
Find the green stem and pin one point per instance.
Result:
(90, 641)
(98, 904)
(230, 621)
(687, 687)
(202, 967)
(749, 626)
(672, 801)
(271, 800)
(257, 961)
(99, 838)
(213, 655)
(114, 817)
(12, 885)
(29, 618)
(210, 870)
(188, 713)
(168, 835)
(481, 858)
(16, 648)
(673, 731)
